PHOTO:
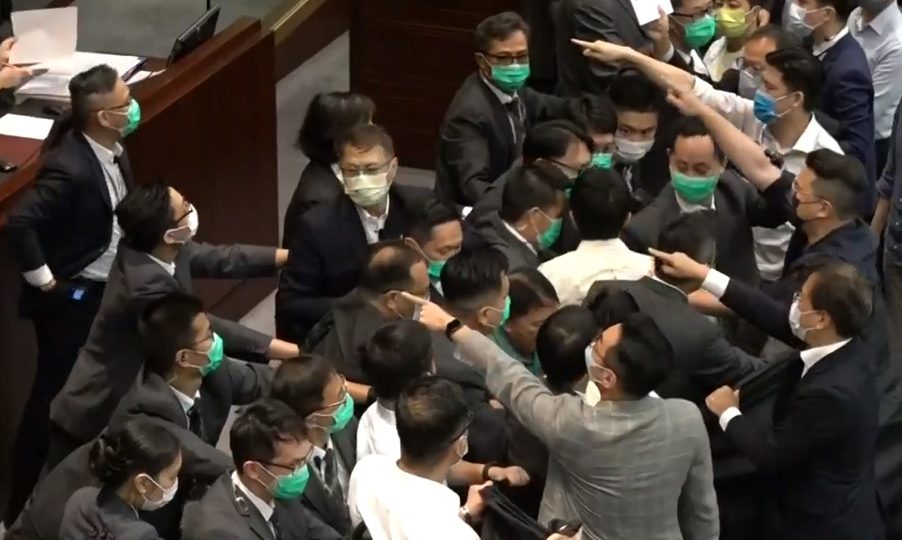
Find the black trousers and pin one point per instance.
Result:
(62, 319)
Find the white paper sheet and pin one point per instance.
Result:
(647, 10)
(27, 127)
(43, 35)
(55, 83)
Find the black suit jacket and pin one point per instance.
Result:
(737, 207)
(318, 184)
(93, 512)
(491, 228)
(821, 449)
(330, 508)
(226, 513)
(69, 194)
(476, 144)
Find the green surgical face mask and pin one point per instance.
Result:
(343, 415)
(510, 78)
(602, 160)
(215, 354)
(435, 269)
(290, 486)
(551, 234)
(505, 313)
(699, 33)
(693, 189)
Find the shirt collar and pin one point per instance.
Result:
(377, 221)
(611, 243)
(687, 207)
(104, 154)
(518, 236)
(885, 21)
(816, 354)
(266, 509)
(661, 281)
(185, 400)
(502, 96)
(168, 266)
(808, 140)
(821, 49)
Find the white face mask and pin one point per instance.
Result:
(181, 235)
(795, 320)
(796, 23)
(632, 151)
(367, 190)
(748, 84)
(168, 495)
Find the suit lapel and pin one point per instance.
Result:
(347, 213)
(158, 399)
(247, 510)
(513, 241)
(394, 222)
(345, 446)
(96, 168)
(316, 494)
(126, 168)
(500, 118)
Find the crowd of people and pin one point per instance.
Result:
(653, 295)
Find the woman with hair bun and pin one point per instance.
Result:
(138, 468)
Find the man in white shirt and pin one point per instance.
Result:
(600, 203)
(407, 499)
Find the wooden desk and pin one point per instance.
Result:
(209, 129)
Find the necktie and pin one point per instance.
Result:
(330, 473)
(516, 113)
(195, 422)
(790, 381)
(274, 521)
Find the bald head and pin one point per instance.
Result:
(392, 266)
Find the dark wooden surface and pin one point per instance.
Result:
(327, 22)
(411, 59)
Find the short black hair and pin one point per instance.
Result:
(364, 137)
(166, 328)
(100, 79)
(259, 427)
(388, 268)
(328, 115)
(781, 38)
(431, 414)
(427, 214)
(643, 358)
(469, 277)
(594, 113)
(528, 187)
(301, 381)
(561, 345)
(839, 179)
(690, 126)
(800, 70)
(395, 355)
(145, 214)
(846, 295)
(600, 203)
(137, 446)
(498, 27)
(630, 90)
(552, 139)
(529, 289)
(692, 234)
(843, 8)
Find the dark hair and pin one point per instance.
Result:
(692, 234)
(388, 268)
(781, 38)
(166, 327)
(145, 214)
(643, 358)
(529, 289)
(431, 413)
(301, 381)
(138, 446)
(100, 79)
(364, 137)
(328, 114)
(561, 344)
(839, 179)
(259, 427)
(498, 27)
(551, 139)
(396, 354)
(471, 276)
(600, 203)
(800, 70)
(843, 8)
(593, 113)
(846, 295)
(528, 187)
(427, 214)
(630, 90)
(690, 126)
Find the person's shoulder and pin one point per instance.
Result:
(683, 411)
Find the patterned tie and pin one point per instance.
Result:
(195, 422)
(330, 473)
(274, 521)
(516, 113)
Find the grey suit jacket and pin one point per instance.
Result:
(492, 229)
(224, 513)
(111, 358)
(93, 513)
(626, 470)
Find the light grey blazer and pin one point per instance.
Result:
(627, 470)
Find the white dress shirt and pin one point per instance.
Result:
(185, 400)
(820, 49)
(266, 509)
(373, 224)
(396, 505)
(718, 59)
(573, 273)
(691, 59)
(319, 465)
(99, 269)
(377, 433)
(687, 207)
(770, 244)
(168, 266)
(881, 40)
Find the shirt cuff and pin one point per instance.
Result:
(39, 276)
(716, 283)
(728, 415)
(668, 56)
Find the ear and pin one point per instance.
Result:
(392, 170)
(140, 483)
(412, 243)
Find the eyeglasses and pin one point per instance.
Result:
(709, 12)
(507, 60)
(365, 169)
(344, 397)
(292, 468)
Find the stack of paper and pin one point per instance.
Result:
(27, 127)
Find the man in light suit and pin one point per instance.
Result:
(261, 499)
(656, 481)
(157, 256)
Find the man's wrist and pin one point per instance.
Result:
(727, 416)
(715, 283)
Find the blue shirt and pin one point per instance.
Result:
(890, 187)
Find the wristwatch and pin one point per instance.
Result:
(465, 515)
(452, 327)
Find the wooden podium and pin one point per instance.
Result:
(209, 130)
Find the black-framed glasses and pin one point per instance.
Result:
(507, 60)
(292, 468)
(710, 11)
(366, 169)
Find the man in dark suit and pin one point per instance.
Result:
(65, 238)
(330, 244)
(157, 256)
(822, 443)
(262, 497)
(700, 183)
(437, 233)
(483, 128)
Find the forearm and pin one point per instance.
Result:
(465, 473)
(662, 74)
(707, 303)
(743, 152)
(878, 222)
(283, 350)
(359, 392)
